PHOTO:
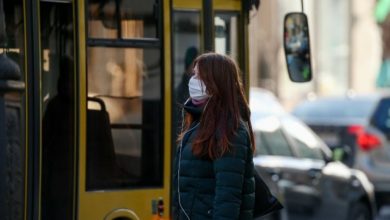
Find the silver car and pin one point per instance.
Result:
(357, 128)
(298, 167)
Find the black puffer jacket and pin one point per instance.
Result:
(221, 189)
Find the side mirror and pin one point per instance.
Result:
(297, 47)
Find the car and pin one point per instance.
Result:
(359, 126)
(298, 168)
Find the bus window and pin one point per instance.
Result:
(226, 34)
(58, 108)
(122, 19)
(124, 144)
(186, 40)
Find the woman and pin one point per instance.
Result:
(214, 163)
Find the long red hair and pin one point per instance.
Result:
(226, 106)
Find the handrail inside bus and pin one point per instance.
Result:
(115, 97)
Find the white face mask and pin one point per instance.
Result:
(197, 89)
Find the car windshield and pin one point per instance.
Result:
(336, 108)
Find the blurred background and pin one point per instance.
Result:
(347, 102)
(346, 43)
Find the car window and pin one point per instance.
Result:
(273, 143)
(261, 149)
(306, 142)
(305, 151)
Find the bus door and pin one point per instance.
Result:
(57, 99)
(122, 158)
(189, 41)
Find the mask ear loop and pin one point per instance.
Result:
(208, 100)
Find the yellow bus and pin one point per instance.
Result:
(88, 100)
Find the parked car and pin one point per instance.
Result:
(360, 126)
(297, 166)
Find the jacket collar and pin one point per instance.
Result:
(194, 110)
